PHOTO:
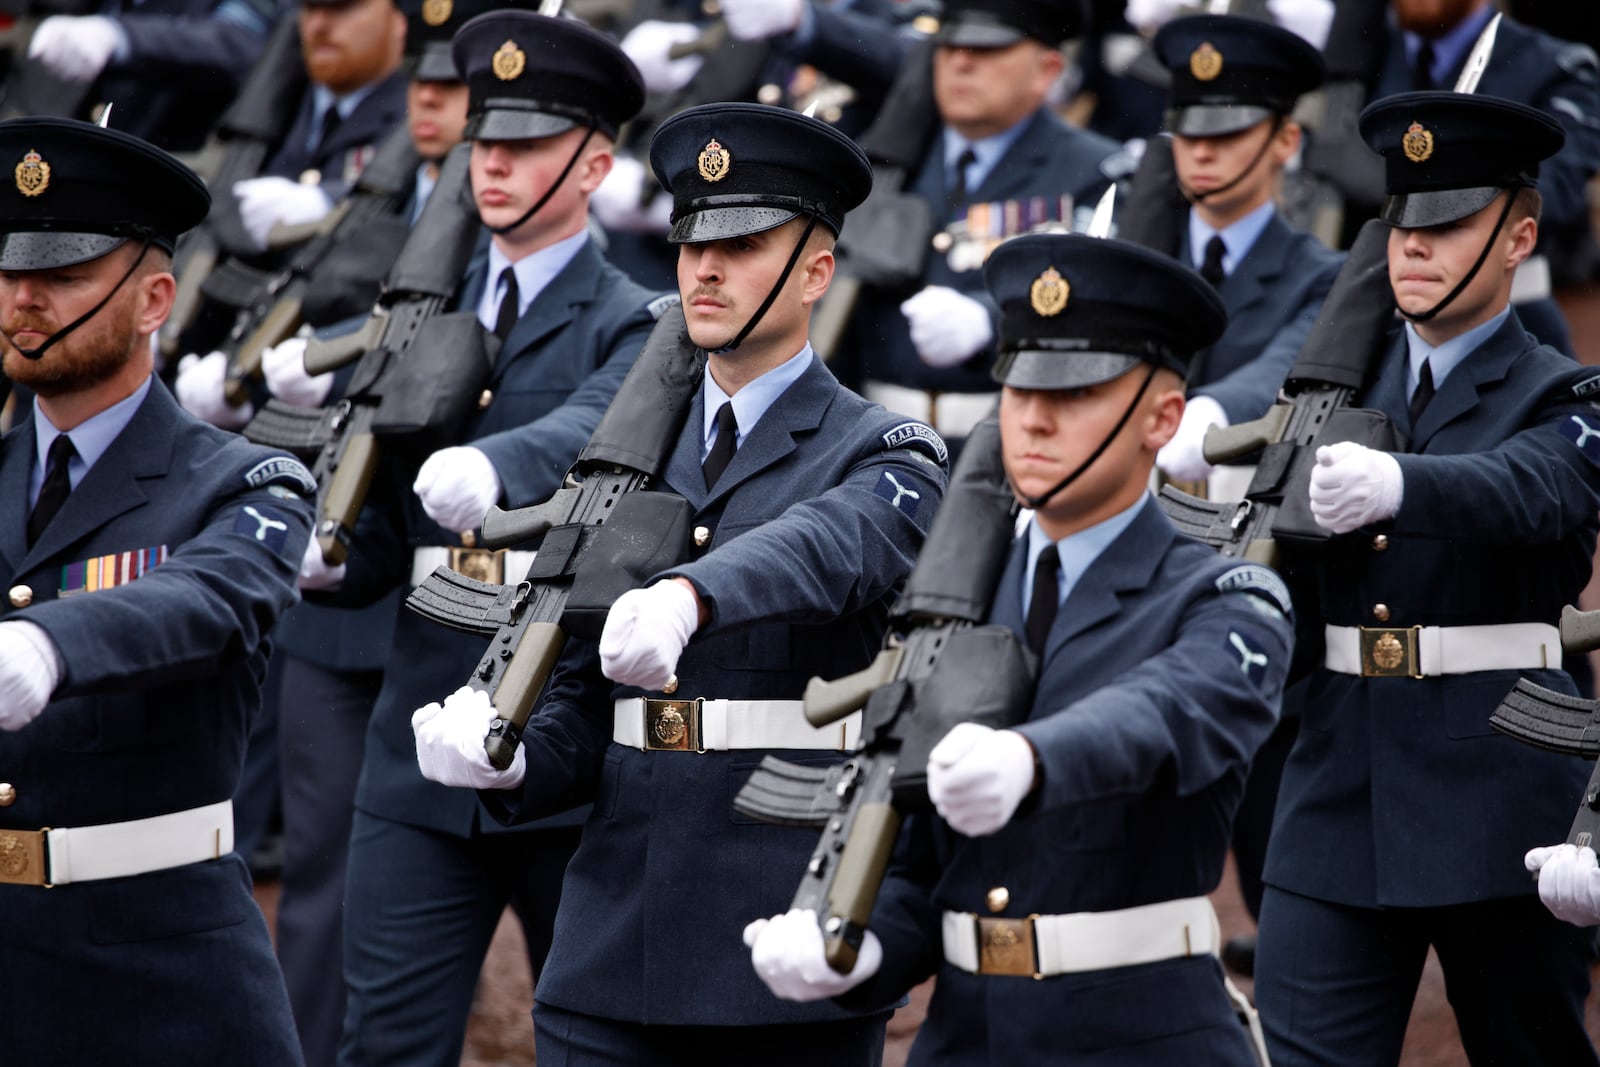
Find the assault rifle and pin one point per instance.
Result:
(1561, 723)
(237, 149)
(420, 372)
(1312, 410)
(604, 531)
(941, 667)
(346, 252)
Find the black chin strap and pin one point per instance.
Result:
(38, 353)
(1194, 196)
(1037, 502)
(772, 294)
(548, 193)
(1505, 211)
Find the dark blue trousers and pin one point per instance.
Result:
(1335, 984)
(571, 1039)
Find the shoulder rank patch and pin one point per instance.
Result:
(915, 435)
(1588, 387)
(281, 470)
(1252, 659)
(899, 494)
(660, 305)
(108, 572)
(1577, 430)
(263, 524)
(1261, 581)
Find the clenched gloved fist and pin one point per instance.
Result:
(756, 20)
(978, 775)
(649, 44)
(620, 205)
(1352, 485)
(30, 669)
(1569, 882)
(450, 743)
(645, 633)
(1183, 457)
(947, 328)
(76, 49)
(199, 389)
(786, 951)
(316, 572)
(457, 487)
(284, 367)
(268, 202)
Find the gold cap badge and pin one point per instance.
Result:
(509, 62)
(1205, 62)
(1049, 293)
(33, 174)
(714, 162)
(1417, 143)
(436, 12)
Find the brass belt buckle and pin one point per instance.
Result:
(1007, 947)
(22, 857)
(482, 564)
(672, 725)
(1390, 652)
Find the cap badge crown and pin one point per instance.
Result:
(436, 12)
(1049, 293)
(1417, 143)
(714, 161)
(1205, 62)
(509, 62)
(33, 174)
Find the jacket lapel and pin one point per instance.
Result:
(1007, 607)
(1259, 268)
(1484, 365)
(683, 466)
(554, 307)
(15, 466)
(1020, 165)
(1126, 565)
(798, 409)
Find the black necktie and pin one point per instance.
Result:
(57, 486)
(1046, 598)
(1422, 68)
(331, 121)
(506, 317)
(958, 184)
(722, 448)
(1422, 394)
(1211, 270)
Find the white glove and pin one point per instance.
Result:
(756, 20)
(199, 389)
(267, 202)
(1309, 19)
(1352, 485)
(284, 367)
(619, 203)
(1147, 16)
(647, 45)
(977, 776)
(1569, 882)
(30, 668)
(76, 49)
(645, 632)
(787, 952)
(457, 486)
(450, 743)
(947, 328)
(316, 572)
(1183, 457)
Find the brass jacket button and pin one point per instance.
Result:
(485, 398)
(20, 596)
(8, 794)
(1380, 612)
(998, 898)
(1380, 543)
(702, 536)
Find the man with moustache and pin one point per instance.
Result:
(809, 504)
(1403, 816)
(1060, 893)
(146, 557)
(433, 873)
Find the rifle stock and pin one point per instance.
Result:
(345, 491)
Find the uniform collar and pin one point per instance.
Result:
(90, 438)
(1449, 49)
(1077, 551)
(534, 271)
(1448, 356)
(1237, 238)
(753, 398)
(988, 151)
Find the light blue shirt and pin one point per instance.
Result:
(988, 151)
(1237, 238)
(534, 271)
(752, 400)
(426, 180)
(1450, 50)
(1448, 356)
(91, 438)
(1077, 551)
(322, 99)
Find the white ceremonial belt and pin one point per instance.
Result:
(950, 414)
(1039, 946)
(52, 857)
(1532, 281)
(495, 566)
(1429, 651)
(719, 725)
